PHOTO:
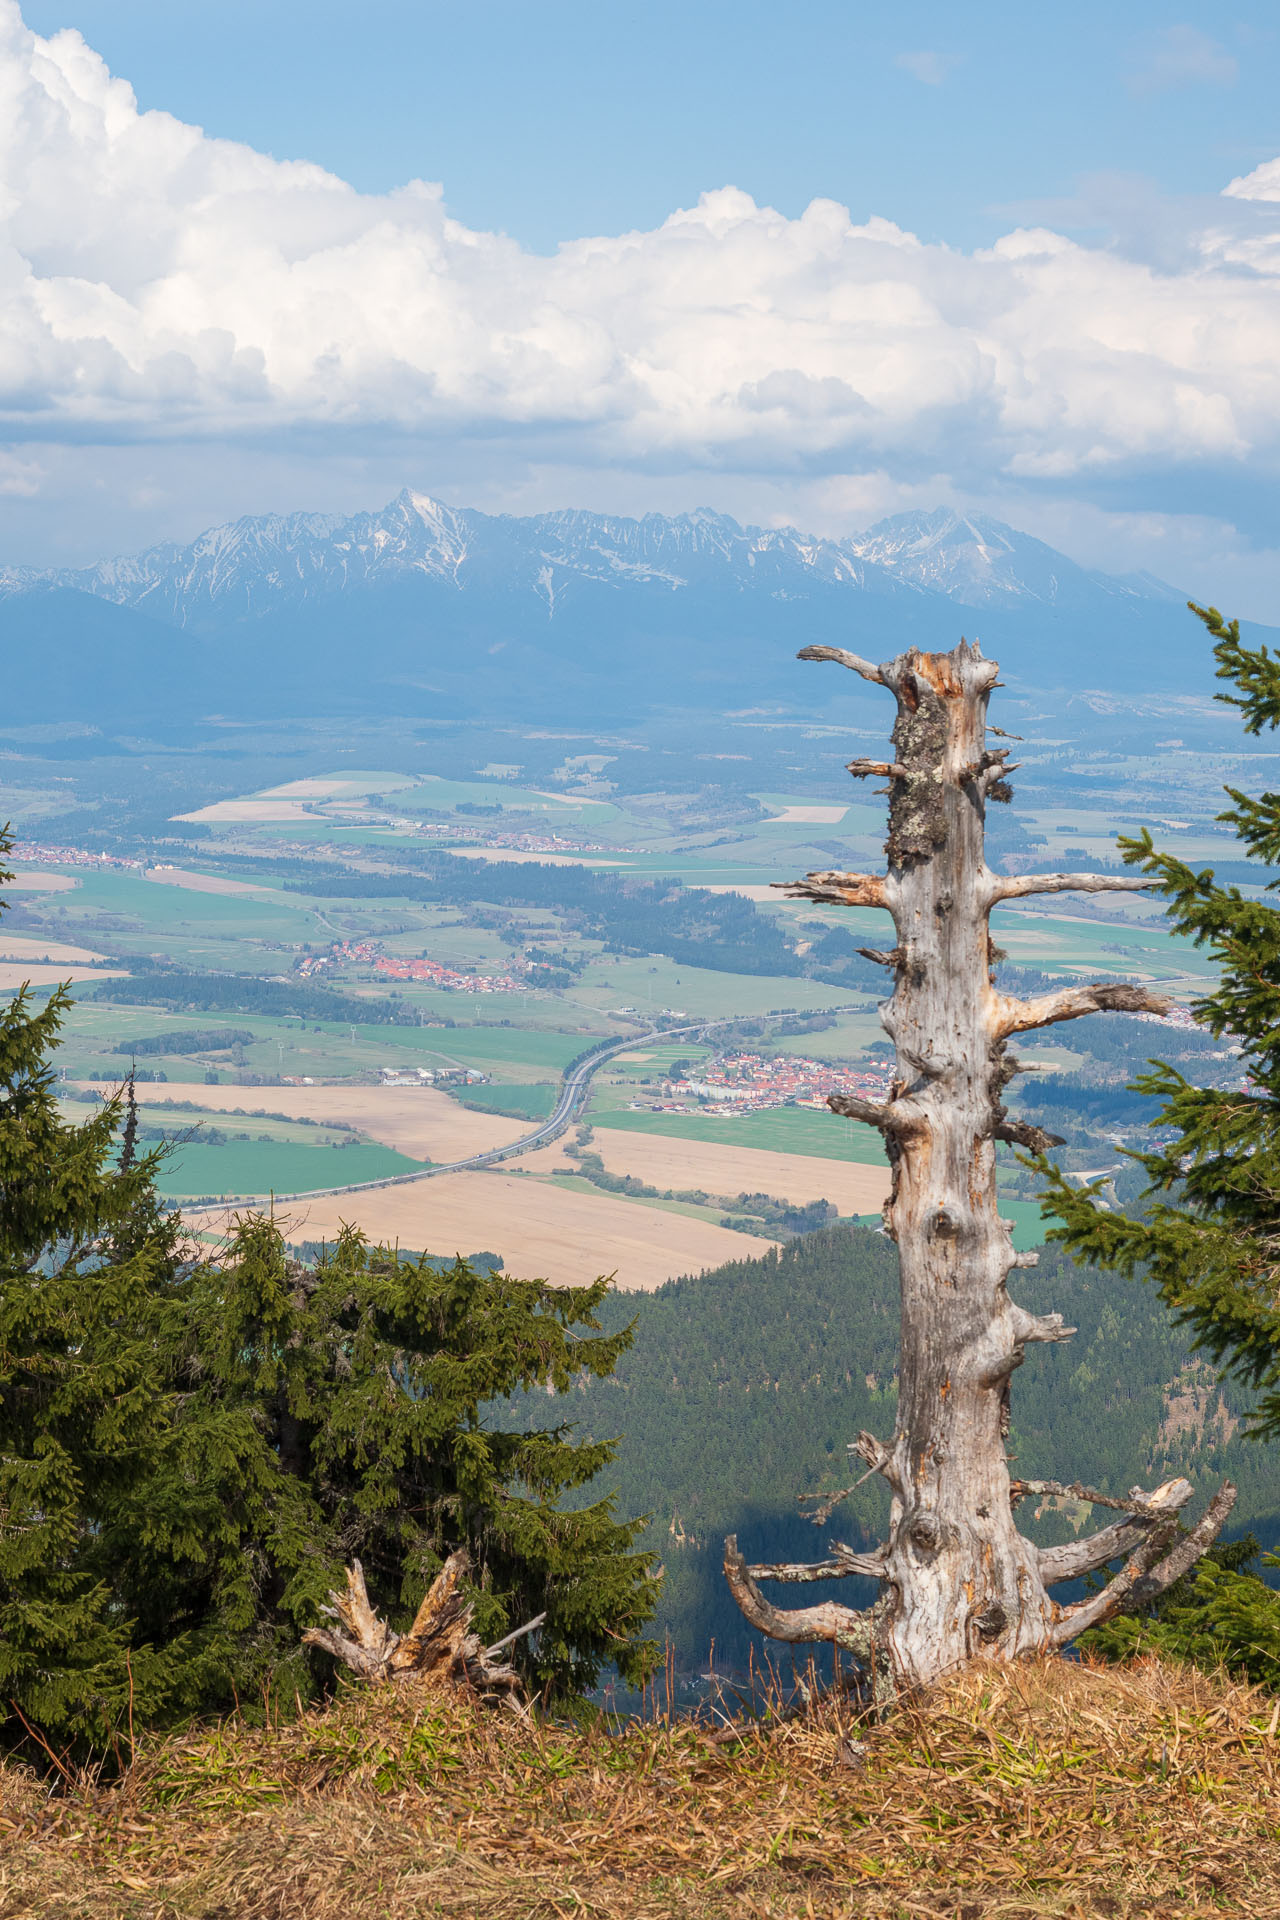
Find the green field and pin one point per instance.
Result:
(245, 1167)
(649, 985)
(506, 1047)
(533, 1100)
(778, 1130)
(153, 906)
(430, 793)
(119, 913)
(323, 1049)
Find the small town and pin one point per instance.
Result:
(486, 837)
(369, 953)
(750, 1082)
(449, 978)
(32, 853)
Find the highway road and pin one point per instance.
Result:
(572, 1097)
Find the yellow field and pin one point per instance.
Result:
(249, 810)
(541, 1231)
(320, 786)
(202, 882)
(568, 799)
(416, 1121)
(318, 789)
(724, 1168)
(34, 946)
(16, 973)
(720, 1167)
(517, 856)
(39, 882)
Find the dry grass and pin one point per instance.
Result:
(1045, 1790)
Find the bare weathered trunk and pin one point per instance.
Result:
(959, 1580)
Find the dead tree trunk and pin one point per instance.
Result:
(959, 1582)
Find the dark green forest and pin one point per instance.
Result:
(744, 1386)
(247, 993)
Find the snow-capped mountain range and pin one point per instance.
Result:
(259, 563)
(590, 619)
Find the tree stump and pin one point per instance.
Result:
(439, 1646)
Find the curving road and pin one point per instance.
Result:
(574, 1087)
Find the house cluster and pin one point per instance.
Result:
(398, 967)
(503, 842)
(27, 853)
(341, 954)
(431, 1077)
(1176, 1017)
(748, 1082)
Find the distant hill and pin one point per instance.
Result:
(425, 608)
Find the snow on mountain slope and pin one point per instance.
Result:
(982, 563)
(256, 565)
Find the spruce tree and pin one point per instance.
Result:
(83, 1247)
(1206, 1232)
(339, 1412)
(1220, 1614)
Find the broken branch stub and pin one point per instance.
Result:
(958, 1581)
(439, 1646)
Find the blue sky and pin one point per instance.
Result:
(1036, 301)
(549, 121)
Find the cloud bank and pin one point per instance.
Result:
(161, 286)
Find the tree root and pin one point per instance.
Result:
(438, 1646)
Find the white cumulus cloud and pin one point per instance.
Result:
(156, 283)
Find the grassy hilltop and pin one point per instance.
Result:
(1055, 1789)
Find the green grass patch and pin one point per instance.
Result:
(529, 1101)
(827, 1136)
(485, 1046)
(269, 1166)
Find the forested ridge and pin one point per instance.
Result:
(745, 1384)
